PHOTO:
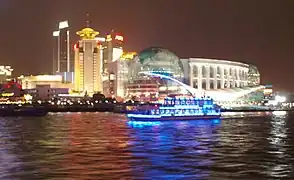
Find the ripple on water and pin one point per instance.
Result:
(107, 146)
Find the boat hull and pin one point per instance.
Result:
(170, 118)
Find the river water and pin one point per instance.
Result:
(108, 146)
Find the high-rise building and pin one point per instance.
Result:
(64, 50)
(63, 64)
(112, 48)
(88, 63)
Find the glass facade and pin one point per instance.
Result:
(155, 60)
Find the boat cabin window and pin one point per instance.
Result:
(192, 102)
(168, 102)
(177, 102)
(189, 101)
(183, 101)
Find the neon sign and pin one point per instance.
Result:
(120, 38)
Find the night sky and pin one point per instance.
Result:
(261, 33)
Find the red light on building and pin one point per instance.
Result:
(76, 46)
(12, 84)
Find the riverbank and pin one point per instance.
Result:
(121, 108)
(117, 108)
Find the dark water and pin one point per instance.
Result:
(107, 146)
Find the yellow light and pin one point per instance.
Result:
(128, 55)
(48, 77)
(108, 38)
(28, 97)
(7, 94)
(87, 33)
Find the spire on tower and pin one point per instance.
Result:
(88, 21)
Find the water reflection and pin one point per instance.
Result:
(278, 147)
(108, 146)
(142, 124)
(9, 162)
(173, 149)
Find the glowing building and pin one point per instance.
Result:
(213, 74)
(63, 64)
(112, 48)
(117, 76)
(115, 65)
(88, 63)
(64, 48)
(44, 86)
(157, 72)
(154, 60)
(5, 73)
(54, 81)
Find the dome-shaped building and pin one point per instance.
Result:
(156, 60)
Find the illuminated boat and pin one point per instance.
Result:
(177, 108)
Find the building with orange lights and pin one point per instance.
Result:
(88, 63)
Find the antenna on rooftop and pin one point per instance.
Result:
(88, 21)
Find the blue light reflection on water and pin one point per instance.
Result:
(142, 124)
(164, 148)
(105, 146)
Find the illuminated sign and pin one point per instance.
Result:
(63, 24)
(128, 55)
(100, 39)
(108, 38)
(268, 91)
(56, 33)
(120, 38)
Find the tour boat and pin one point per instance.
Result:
(176, 108)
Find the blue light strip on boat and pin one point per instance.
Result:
(168, 115)
(143, 116)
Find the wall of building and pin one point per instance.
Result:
(45, 92)
(215, 74)
(88, 67)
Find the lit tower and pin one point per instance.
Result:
(63, 64)
(112, 48)
(64, 54)
(88, 64)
